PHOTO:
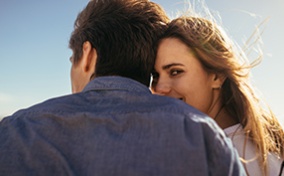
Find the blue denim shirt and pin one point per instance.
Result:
(115, 126)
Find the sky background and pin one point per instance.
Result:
(34, 53)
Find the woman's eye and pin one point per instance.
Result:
(175, 72)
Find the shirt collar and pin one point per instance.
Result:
(115, 83)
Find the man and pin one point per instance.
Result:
(112, 124)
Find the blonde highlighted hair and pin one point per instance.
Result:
(218, 54)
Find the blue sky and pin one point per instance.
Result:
(34, 53)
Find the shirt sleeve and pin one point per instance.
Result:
(222, 157)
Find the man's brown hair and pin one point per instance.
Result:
(124, 33)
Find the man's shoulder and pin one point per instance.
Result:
(169, 105)
(56, 104)
(179, 110)
(64, 107)
(178, 107)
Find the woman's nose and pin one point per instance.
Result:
(162, 88)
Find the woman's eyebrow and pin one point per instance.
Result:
(165, 67)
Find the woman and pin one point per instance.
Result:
(198, 64)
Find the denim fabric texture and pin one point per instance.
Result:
(115, 126)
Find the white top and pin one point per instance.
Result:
(252, 166)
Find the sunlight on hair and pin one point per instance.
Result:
(250, 51)
(258, 121)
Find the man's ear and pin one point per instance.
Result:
(88, 59)
(217, 80)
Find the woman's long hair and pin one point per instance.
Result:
(219, 55)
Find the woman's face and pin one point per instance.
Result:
(179, 74)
